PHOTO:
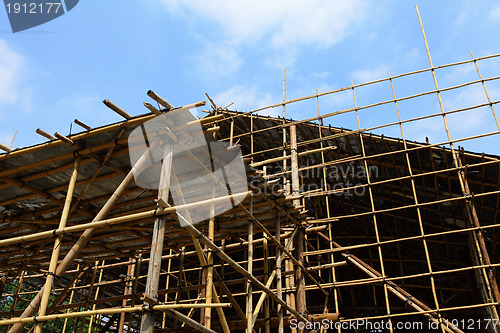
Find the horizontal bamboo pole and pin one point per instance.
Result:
(364, 130)
(281, 158)
(405, 239)
(414, 313)
(110, 311)
(423, 204)
(364, 84)
(112, 221)
(441, 173)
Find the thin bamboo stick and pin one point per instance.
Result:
(57, 246)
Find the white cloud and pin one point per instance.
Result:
(218, 59)
(495, 13)
(12, 68)
(363, 76)
(281, 24)
(80, 102)
(245, 97)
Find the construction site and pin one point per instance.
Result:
(340, 228)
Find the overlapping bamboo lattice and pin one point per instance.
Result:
(339, 219)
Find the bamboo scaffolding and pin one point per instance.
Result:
(397, 207)
(82, 241)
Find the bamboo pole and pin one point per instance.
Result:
(96, 296)
(153, 109)
(5, 148)
(153, 279)
(100, 223)
(148, 318)
(249, 298)
(199, 252)
(117, 109)
(109, 311)
(282, 158)
(374, 216)
(203, 262)
(269, 282)
(266, 279)
(82, 124)
(474, 221)
(209, 270)
(167, 284)
(278, 269)
(57, 246)
(45, 134)
(127, 290)
(160, 100)
(80, 244)
(197, 234)
(396, 290)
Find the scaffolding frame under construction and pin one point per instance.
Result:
(339, 226)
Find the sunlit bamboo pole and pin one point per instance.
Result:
(57, 247)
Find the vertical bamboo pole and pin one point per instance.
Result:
(70, 300)
(83, 320)
(474, 220)
(289, 283)
(154, 268)
(279, 290)
(249, 299)
(167, 283)
(327, 204)
(445, 121)
(57, 246)
(96, 296)
(485, 91)
(263, 295)
(16, 296)
(372, 206)
(137, 273)
(419, 215)
(286, 183)
(301, 283)
(179, 280)
(210, 275)
(3, 280)
(127, 290)
(153, 278)
(266, 278)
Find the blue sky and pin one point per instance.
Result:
(235, 51)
